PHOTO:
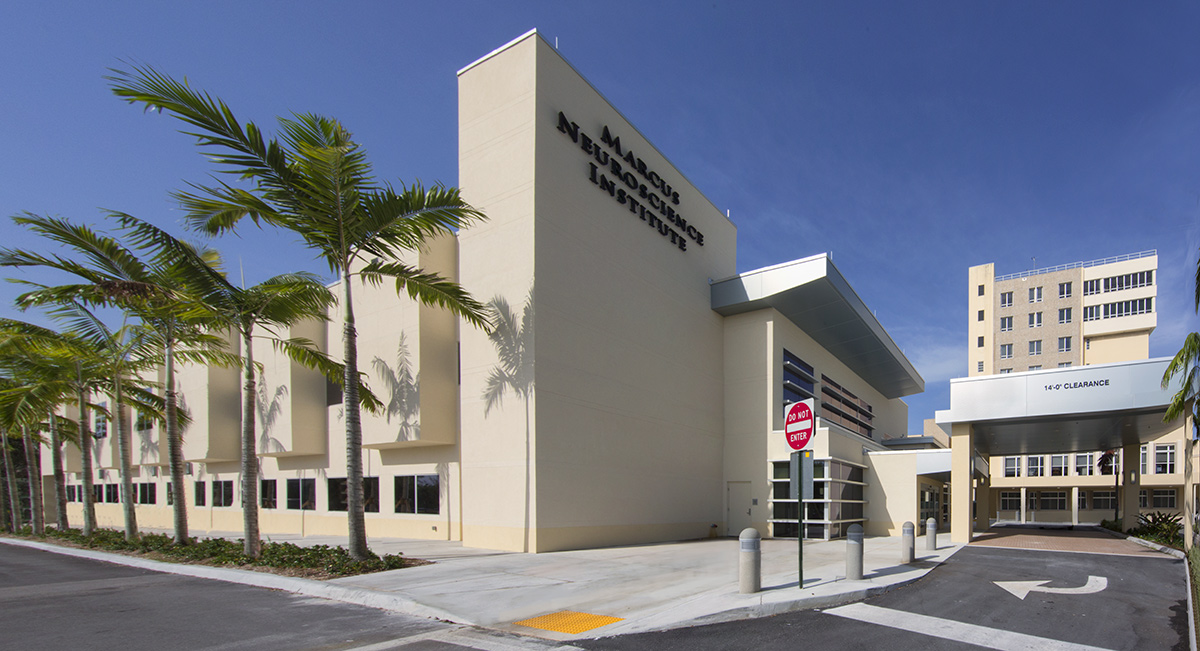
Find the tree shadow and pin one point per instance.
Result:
(404, 391)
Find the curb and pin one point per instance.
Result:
(294, 585)
(1169, 551)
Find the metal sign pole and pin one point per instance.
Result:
(800, 519)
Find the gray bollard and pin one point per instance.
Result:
(750, 561)
(931, 534)
(908, 544)
(854, 552)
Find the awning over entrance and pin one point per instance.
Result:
(1080, 408)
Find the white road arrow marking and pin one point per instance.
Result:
(1020, 589)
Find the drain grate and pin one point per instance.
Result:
(568, 621)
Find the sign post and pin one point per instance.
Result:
(799, 426)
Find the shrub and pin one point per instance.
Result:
(1164, 528)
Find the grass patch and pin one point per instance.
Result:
(318, 561)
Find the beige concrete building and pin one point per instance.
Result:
(635, 391)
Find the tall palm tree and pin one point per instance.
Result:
(514, 347)
(1186, 365)
(316, 181)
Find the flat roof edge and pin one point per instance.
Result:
(496, 51)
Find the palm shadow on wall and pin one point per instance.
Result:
(513, 340)
(269, 406)
(404, 391)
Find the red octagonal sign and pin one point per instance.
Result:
(799, 425)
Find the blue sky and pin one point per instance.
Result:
(912, 140)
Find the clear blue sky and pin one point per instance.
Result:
(912, 139)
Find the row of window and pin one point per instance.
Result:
(1035, 348)
(1164, 463)
(1163, 498)
(1035, 294)
(1118, 309)
(413, 494)
(1032, 367)
(1118, 283)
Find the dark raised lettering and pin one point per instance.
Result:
(568, 127)
(608, 139)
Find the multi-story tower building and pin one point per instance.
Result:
(1074, 314)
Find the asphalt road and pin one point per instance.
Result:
(51, 601)
(958, 606)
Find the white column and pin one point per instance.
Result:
(1022, 505)
(1074, 505)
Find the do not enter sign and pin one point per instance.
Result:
(798, 425)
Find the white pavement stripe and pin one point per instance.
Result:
(990, 638)
(467, 638)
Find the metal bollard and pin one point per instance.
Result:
(854, 552)
(908, 544)
(931, 534)
(750, 561)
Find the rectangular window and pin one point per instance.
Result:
(1035, 467)
(1035, 319)
(1005, 370)
(201, 493)
(1064, 290)
(71, 492)
(1031, 501)
(268, 497)
(337, 494)
(1064, 344)
(1128, 308)
(1064, 364)
(1164, 498)
(112, 493)
(371, 494)
(1010, 501)
(1035, 294)
(1006, 324)
(1035, 367)
(1091, 313)
(1143, 501)
(100, 425)
(799, 379)
(170, 495)
(147, 493)
(1064, 315)
(1164, 459)
(1006, 351)
(418, 494)
(1052, 501)
(1104, 500)
(1091, 287)
(1012, 466)
(1129, 281)
(1145, 454)
(302, 494)
(980, 318)
(222, 493)
(979, 367)
(339, 500)
(981, 290)
(142, 423)
(97, 493)
(1058, 465)
(979, 344)
(1035, 347)
(1082, 500)
(1006, 299)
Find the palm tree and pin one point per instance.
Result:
(1186, 365)
(514, 347)
(316, 181)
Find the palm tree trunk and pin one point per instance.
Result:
(126, 463)
(174, 444)
(356, 521)
(14, 499)
(34, 477)
(5, 518)
(251, 546)
(60, 478)
(85, 450)
(527, 471)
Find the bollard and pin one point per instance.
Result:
(750, 561)
(854, 552)
(931, 534)
(908, 544)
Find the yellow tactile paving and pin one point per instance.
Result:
(568, 621)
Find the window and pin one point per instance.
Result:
(1035, 467)
(1064, 315)
(71, 492)
(1035, 319)
(1010, 501)
(1128, 308)
(1064, 364)
(222, 493)
(1164, 498)
(1145, 453)
(97, 493)
(1104, 500)
(267, 494)
(981, 290)
(1091, 287)
(1005, 370)
(1129, 281)
(1082, 500)
(1164, 459)
(339, 500)
(201, 493)
(798, 379)
(1091, 313)
(1006, 324)
(142, 423)
(1143, 501)
(337, 494)
(1058, 465)
(302, 494)
(979, 367)
(1053, 501)
(980, 318)
(418, 494)
(147, 493)
(1064, 344)
(1035, 347)
(979, 344)
(1035, 367)
(1012, 466)
(1032, 502)
(1006, 299)
(1035, 294)
(1006, 351)
(100, 426)
(1064, 290)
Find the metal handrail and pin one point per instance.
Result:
(1077, 265)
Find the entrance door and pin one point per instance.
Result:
(739, 508)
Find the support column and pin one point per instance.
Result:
(983, 504)
(1023, 504)
(1131, 479)
(1074, 505)
(962, 470)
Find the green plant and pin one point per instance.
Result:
(1112, 525)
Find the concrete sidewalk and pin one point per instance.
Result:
(646, 587)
